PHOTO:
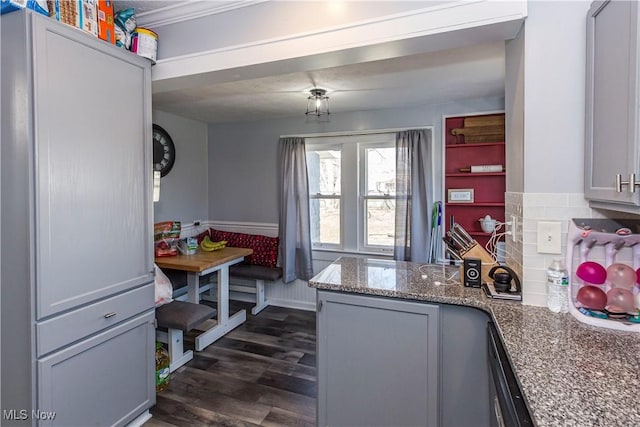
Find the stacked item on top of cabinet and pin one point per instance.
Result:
(77, 249)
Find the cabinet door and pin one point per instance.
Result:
(92, 168)
(106, 380)
(464, 376)
(377, 362)
(611, 93)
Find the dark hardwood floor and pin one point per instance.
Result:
(261, 373)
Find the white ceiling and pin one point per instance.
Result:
(409, 81)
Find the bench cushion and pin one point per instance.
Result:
(183, 315)
(250, 271)
(265, 248)
(178, 278)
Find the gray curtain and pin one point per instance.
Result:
(294, 222)
(414, 195)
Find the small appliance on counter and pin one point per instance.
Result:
(480, 268)
(505, 284)
(462, 246)
(603, 258)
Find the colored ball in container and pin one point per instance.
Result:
(621, 275)
(621, 300)
(592, 297)
(592, 272)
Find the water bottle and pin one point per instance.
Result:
(557, 287)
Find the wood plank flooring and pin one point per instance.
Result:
(262, 373)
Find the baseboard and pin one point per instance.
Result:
(140, 420)
(277, 302)
(298, 305)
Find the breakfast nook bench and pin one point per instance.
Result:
(257, 269)
(249, 276)
(258, 274)
(178, 317)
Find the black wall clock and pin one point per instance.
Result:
(164, 152)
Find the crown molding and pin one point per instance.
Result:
(480, 21)
(187, 10)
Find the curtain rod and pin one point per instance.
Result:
(356, 132)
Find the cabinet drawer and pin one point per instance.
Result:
(105, 380)
(69, 327)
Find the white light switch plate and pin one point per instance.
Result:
(549, 237)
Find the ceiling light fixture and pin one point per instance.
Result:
(318, 103)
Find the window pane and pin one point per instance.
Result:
(325, 221)
(380, 222)
(323, 167)
(381, 171)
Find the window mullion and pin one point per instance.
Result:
(350, 196)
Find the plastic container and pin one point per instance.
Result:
(558, 287)
(162, 368)
(144, 42)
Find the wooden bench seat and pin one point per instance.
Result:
(259, 274)
(178, 317)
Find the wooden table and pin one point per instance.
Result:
(200, 264)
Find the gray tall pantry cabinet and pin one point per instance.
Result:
(77, 300)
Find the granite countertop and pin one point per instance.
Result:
(571, 373)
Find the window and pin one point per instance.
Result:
(378, 194)
(352, 192)
(323, 168)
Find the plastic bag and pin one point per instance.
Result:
(125, 23)
(39, 6)
(164, 289)
(165, 237)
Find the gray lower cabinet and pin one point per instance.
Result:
(377, 361)
(612, 145)
(77, 295)
(391, 362)
(464, 374)
(105, 380)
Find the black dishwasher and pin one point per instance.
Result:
(509, 407)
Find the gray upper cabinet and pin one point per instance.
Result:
(77, 295)
(612, 158)
(90, 173)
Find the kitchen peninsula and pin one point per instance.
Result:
(570, 373)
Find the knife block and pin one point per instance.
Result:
(488, 262)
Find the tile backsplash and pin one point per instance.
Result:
(522, 254)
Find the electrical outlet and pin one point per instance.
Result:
(196, 223)
(514, 223)
(549, 237)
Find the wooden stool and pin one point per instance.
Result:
(179, 317)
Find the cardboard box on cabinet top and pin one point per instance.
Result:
(81, 14)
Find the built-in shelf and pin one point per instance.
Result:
(472, 143)
(474, 174)
(476, 204)
(475, 144)
(479, 233)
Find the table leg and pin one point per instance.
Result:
(225, 323)
(193, 287)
